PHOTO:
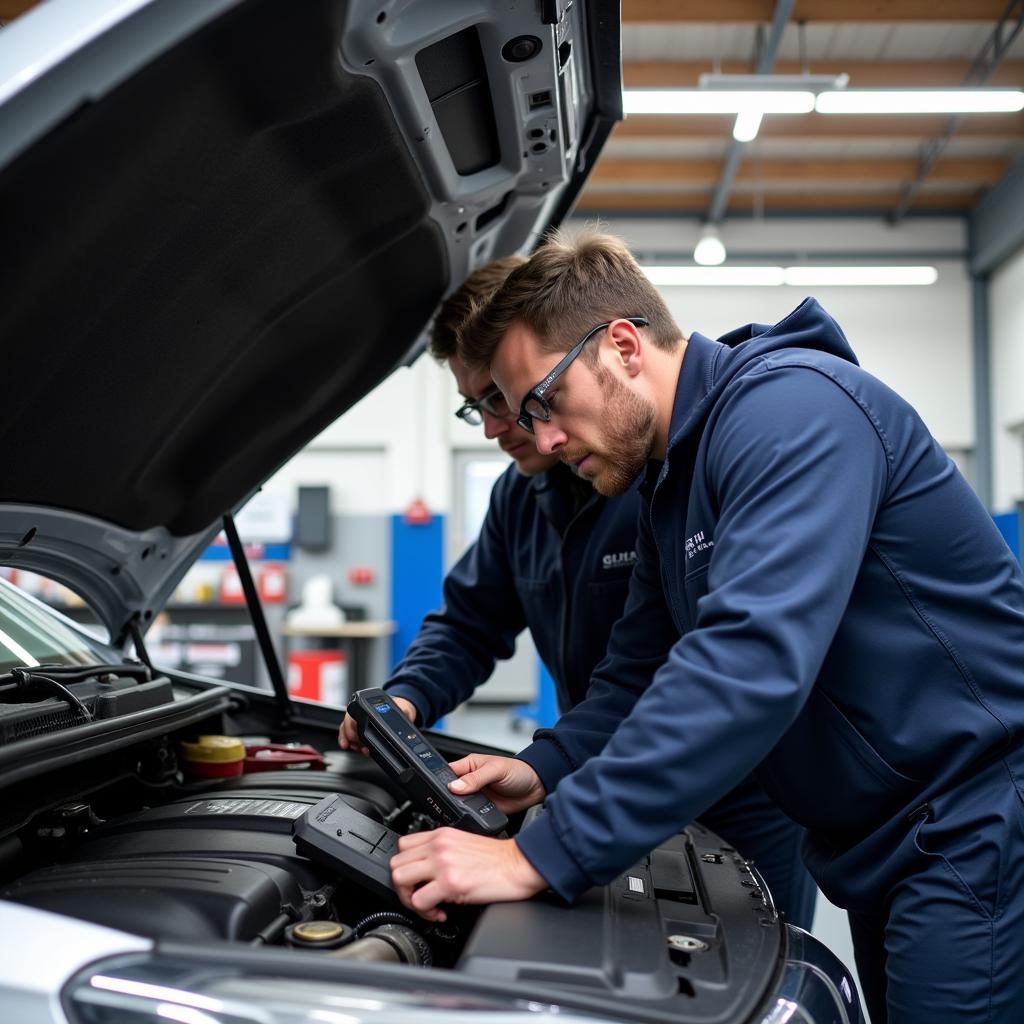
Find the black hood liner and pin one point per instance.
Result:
(204, 270)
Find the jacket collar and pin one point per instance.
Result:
(709, 366)
(693, 389)
(695, 384)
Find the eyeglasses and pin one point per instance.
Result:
(491, 401)
(535, 406)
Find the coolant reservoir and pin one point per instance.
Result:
(213, 757)
(317, 935)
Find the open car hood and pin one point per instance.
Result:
(228, 220)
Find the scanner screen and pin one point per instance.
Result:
(430, 757)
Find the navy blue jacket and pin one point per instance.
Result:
(843, 609)
(553, 556)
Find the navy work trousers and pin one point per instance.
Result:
(947, 944)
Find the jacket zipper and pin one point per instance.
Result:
(654, 537)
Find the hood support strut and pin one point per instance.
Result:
(259, 620)
(140, 647)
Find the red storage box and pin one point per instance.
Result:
(319, 675)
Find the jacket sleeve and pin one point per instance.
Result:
(458, 645)
(638, 644)
(797, 471)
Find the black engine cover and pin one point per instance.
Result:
(186, 898)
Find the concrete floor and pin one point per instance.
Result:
(494, 725)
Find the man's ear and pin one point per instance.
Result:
(627, 345)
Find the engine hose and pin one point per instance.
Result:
(382, 917)
(272, 931)
(390, 943)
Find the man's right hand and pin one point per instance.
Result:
(512, 784)
(348, 733)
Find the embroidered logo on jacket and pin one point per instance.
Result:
(697, 543)
(618, 560)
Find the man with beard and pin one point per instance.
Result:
(845, 615)
(555, 557)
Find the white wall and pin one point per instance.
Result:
(1006, 326)
(397, 443)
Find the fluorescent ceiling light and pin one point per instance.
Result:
(802, 277)
(709, 250)
(760, 83)
(709, 276)
(839, 101)
(726, 101)
(920, 101)
(870, 276)
(747, 125)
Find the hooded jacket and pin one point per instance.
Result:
(843, 607)
(552, 555)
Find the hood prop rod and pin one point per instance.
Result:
(259, 620)
(140, 647)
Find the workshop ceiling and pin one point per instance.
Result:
(808, 163)
(813, 163)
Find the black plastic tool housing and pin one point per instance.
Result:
(336, 834)
(407, 756)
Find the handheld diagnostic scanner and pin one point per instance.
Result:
(408, 758)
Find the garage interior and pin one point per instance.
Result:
(908, 227)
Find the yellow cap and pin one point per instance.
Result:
(214, 750)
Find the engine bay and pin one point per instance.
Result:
(126, 839)
(220, 864)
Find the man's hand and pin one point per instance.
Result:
(512, 784)
(348, 733)
(449, 866)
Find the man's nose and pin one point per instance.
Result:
(549, 437)
(494, 426)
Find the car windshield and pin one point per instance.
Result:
(31, 634)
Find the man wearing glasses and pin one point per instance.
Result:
(845, 613)
(555, 557)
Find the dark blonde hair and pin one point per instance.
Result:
(465, 300)
(567, 287)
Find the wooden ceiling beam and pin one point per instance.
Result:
(922, 74)
(753, 11)
(822, 126)
(10, 9)
(980, 171)
(696, 202)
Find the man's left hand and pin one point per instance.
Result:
(449, 866)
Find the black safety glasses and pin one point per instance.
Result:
(535, 406)
(491, 401)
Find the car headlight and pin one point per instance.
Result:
(815, 988)
(161, 987)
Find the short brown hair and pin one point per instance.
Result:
(465, 300)
(567, 287)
